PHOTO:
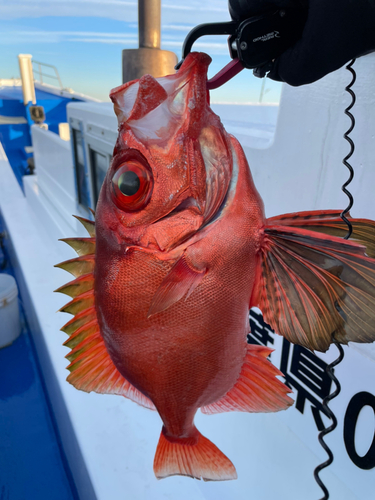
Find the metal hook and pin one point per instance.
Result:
(253, 43)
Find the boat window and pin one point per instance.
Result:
(99, 166)
(79, 161)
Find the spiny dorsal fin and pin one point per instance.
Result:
(87, 329)
(83, 246)
(89, 225)
(79, 320)
(89, 341)
(78, 266)
(76, 287)
(80, 303)
(91, 366)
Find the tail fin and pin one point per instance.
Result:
(315, 286)
(195, 457)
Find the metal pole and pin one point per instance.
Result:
(27, 77)
(149, 23)
(149, 58)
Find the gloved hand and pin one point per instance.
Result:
(335, 32)
(240, 10)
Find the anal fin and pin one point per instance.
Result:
(257, 388)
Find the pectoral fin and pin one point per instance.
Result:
(330, 222)
(182, 279)
(315, 287)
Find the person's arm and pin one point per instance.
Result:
(335, 32)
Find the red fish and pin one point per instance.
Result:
(179, 251)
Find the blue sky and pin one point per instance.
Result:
(84, 39)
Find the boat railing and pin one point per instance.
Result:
(38, 70)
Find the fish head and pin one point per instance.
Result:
(172, 162)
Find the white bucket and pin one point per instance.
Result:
(10, 325)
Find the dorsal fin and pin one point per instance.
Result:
(78, 286)
(80, 303)
(78, 266)
(89, 225)
(79, 320)
(83, 246)
(90, 364)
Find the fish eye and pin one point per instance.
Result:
(128, 183)
(132, 185)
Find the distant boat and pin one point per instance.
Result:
(47, 105)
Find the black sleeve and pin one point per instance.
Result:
(335, 32)
(243, 9)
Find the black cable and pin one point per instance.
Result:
(351, 143)
(330, 368)
(329, 413)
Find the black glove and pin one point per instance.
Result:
(243, 9)
(335, 32)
